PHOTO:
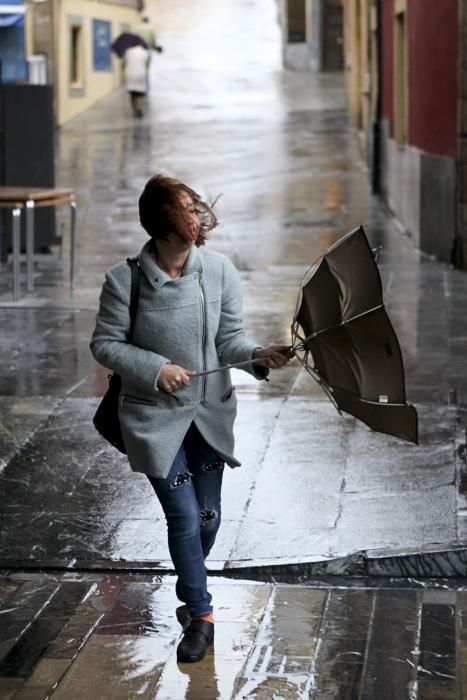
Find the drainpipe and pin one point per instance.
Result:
(377, 117)
(3, 212)
(2, 127)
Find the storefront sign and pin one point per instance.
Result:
(101, 37)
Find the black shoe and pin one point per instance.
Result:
(183, 615)
(198, 636)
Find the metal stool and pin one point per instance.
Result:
(28, 198)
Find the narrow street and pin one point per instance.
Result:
(317, 493)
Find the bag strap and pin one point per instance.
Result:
(134, 294)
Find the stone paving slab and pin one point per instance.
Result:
(114, 636)
(68, 497)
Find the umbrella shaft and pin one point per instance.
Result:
(226, 367)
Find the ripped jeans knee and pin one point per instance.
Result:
(209, 517)
(181, 479)
(210, 523)
(215, 466)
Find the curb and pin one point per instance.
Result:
(429, 562)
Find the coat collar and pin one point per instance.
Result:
(158, 277)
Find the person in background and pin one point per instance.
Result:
(135, 61)
(147, 32)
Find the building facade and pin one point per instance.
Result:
(75, 37)
(312, 34)
(406, 87)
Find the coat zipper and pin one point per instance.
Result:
(203, 321)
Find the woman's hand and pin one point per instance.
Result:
(173, 377)
(275, 356)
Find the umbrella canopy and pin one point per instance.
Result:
(126, 41)
(344, 338)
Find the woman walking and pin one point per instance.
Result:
(178, 429)
(136, 61)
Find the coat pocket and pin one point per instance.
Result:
(128, 398)
(228, 394)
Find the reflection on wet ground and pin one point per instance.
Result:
(113, 637)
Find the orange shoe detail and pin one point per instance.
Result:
(207, 618)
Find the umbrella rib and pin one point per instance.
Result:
(327, 390)
(370, 401)
(344, 323)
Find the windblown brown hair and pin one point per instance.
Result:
(161, 213)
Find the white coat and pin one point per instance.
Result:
(136, 62)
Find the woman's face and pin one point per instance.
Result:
(189, 212)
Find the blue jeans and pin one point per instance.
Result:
(190, 496)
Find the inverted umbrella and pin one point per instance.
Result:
(125, 41)
(342, 335)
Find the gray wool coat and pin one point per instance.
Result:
(194, 321)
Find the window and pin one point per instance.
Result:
(296, 21)
(76, 41)
(76, 55)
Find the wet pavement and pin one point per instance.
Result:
(113, 637)
(85, 610)
(315, 488)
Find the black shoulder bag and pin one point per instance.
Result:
(106, 420)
